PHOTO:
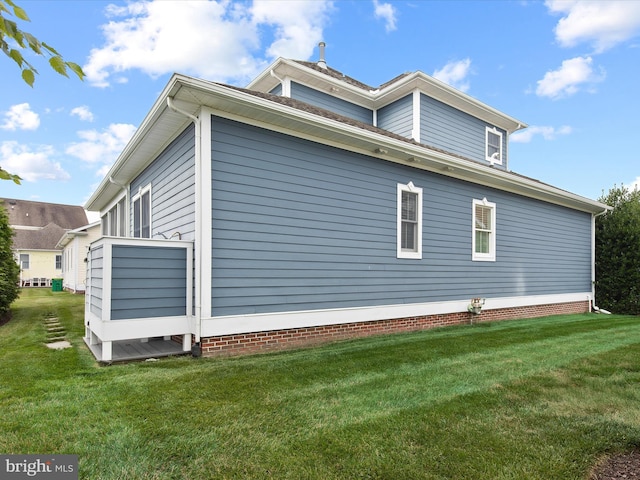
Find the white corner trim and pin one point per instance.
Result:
(415, 131)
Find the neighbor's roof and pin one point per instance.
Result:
(78, 232)
(45, 238)
(27, 213)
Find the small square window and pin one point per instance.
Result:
(494, 146)
(484, 231)
(409, 221)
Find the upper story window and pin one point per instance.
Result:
(409, 221)
(494, 146)
(142, 213)
(58, 262)
(24, 261)
(484, 231)
(114, 221)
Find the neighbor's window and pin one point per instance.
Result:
(58, 262)
(484, 231)
(142, 213)
(409, 221)
(24, 261)
(494, 145)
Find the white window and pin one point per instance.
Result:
(58, 262)
(142, 213)
(24, 261)
(484, 231)
(494, 146)
(114, 221)
(409, 221)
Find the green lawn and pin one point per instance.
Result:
(543, 398)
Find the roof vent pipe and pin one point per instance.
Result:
(322, 63)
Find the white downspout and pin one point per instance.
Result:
(198, 227)
(285, 84)
(593, 262)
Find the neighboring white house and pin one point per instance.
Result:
(75, 248)
(38, 226)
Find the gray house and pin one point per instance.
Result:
(310, 206)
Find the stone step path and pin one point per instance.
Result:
(56, 334)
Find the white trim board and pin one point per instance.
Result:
(235, 324)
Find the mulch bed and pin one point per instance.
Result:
(621, 466)
(5, 318)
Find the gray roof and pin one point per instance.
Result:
(45, 238)
(40, 225)
(39, 214)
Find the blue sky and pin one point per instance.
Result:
(569, 69)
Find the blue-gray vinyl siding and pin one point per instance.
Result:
(277, 90)
(447, 128)
(95, 280)
(301, 226)
(397, 117)
(331, 103)
(148, 282)
(172, 179)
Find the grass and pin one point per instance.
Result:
(533, 399)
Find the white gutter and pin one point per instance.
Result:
(198, 225)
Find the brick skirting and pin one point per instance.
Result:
(246, 343)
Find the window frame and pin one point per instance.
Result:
(489, 156)
(116, 217)
(481, 256)
(58, 262)
(138, 231)
(415, 253)
(23, 262)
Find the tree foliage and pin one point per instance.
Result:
(14, 41)
(21, 40)
(9, 269)
(618, 252)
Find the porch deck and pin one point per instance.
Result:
(131, 350)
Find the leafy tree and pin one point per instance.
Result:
(9, 269)
(13, 41)
(618, 252)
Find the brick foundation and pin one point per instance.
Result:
(246, 343)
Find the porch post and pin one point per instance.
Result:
(107, 351)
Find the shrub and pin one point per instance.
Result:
(618, 252)
(9, 269)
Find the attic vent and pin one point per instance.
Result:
(322, 63)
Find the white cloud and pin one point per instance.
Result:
(386, 12)
(211, 39)
(574, 74)
(602, 24)
(102, 147)
(83, 113)
(635, 185)
(548, 133)
(455, 74)
(31, 164)
(21, 117)
(298, 25)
